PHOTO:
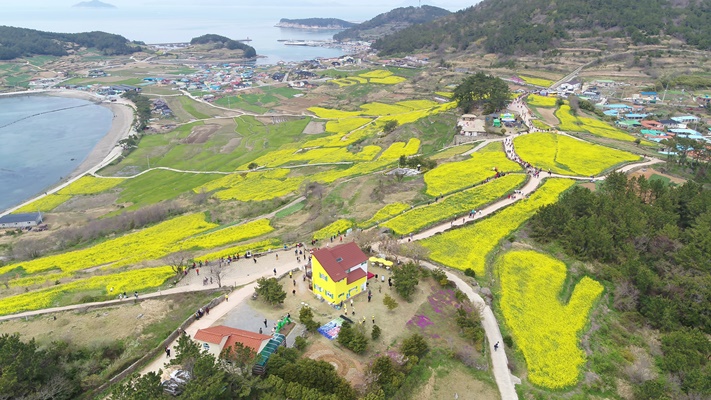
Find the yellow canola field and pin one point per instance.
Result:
(541, 125)
(260, 189)
(450, 177)
(540, 101)
(231, 180)
(130, 281)
(545, 329)
(356, 170)
(235, 233)
(147, 244)
(565, 155)
(445, 94)
(398, 149)
(311, 156)
(336, 228)
(345, 125)
(468, 247)
(536, 81)
(329, 113)
(45, 204)
(90, 185)
(454, 205)
(569, 122)
(386, 212)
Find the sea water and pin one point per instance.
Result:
(37, 152)
(156, 22)
(42, 140)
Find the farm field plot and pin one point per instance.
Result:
(336, 228)
(398, 149)
(380, 76)
(483, 164)
(536, 81)
(104, 285)
(454, 205)
(565, 155)
(385, 213)
(468, 247)
(540, 101)
(545, 328)
(569, 122)
(45, 204)
(90, 185)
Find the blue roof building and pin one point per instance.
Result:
(22, 220)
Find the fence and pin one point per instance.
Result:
(154, 352)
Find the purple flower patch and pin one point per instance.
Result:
(422, 321)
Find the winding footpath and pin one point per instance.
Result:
(243, 274)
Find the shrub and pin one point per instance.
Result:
(306, 316)
(353, 338)
(414, 345)
(470, 272)
(389, 302)
(508, 341)
(300, 343)
(375, 334)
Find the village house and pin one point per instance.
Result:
(23, 220)
(216, 339)
(653, 125)
(470, 125)
(339, 273)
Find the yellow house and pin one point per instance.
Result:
(339, 273)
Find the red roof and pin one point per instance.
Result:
(215, 335)
(338, 260)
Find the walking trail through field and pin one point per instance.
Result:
(244, 273)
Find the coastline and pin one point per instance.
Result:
(103, 153)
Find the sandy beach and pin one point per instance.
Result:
(121, 128)
(105, 151)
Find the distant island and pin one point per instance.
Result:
(224, 42)
(94, 4)
(392, 21)
(314, 23)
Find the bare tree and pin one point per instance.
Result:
(390, 246)
(178, 261)
(218, 273)
(365, 238)
(414, 251)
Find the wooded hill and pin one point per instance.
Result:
(225, 42)
(526, 27)
(320, 22)
(391, 21)
(22, 42)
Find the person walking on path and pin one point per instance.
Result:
(226, 298)
(277, 257)
(496, 346)
(255, 259)
(265, 322)
(167, 351)
(373, 319)
(274, 271)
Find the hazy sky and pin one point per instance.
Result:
(452, 5)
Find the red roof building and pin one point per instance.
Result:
(339, 272)
(217, 338)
